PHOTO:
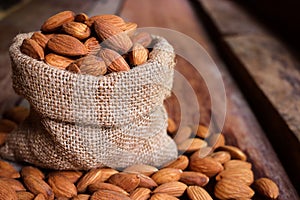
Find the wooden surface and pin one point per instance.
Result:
(268, 73)
(241, 127)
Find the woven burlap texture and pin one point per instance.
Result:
(81, 121)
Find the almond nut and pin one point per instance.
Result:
(127, 181)
(191, 145)
(66, 45)
(207, 165)
(92, 65)
(114, 61)
(175, 188)
(146, 181)
(108, 195)
(31, 48)
(7, 192)
(29, 170)
(105, 186)
(62, 186)
(266, 187)
(198, 193)
(237, 164)
(183, 133)
(58, 61)
(37, 185)
(40, 38)
(7, 170)
(56, 21)
(194, 178)
(221, 156)
(162, 196)
(181, 162)
(166, 175)
(92, 45)
(112, 19)
(76, 29)
(235, 152)
(242, 175)
(90, 177)
(138, 55)
(143, 38)
(147, 170)
(140, 194)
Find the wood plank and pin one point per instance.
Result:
(29, 18)
(241, 128)
(268, 72)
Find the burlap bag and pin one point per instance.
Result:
(81, 121)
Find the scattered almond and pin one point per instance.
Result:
(221, 156)
(191, 145)
(181, 162)
(147, 170)
(37, 185)
(266, 187)
(198, 193)
(166, 175)
(56, 21)
(175, 188)
(62, 186)
(90, 177)
(194, 178)
(140, 194)
(108, 195)
(207, 165)
(127, 181)
(235, 152)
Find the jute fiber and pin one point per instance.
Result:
(81, 121)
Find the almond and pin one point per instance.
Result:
(62, 186)
(25, 195)
(112, 36)
(237, 164)
(202, 131)
(92, 65)
(58, 61)
(235, 152)
(31, 48)
(114, 61)
(90, 177)
(112, 19)
(146, 181)
(92, 45)
(7, 170)
(7, 126)
(105, 186)
(194, 178)
(143, 38)
(40, 38)
(203, 152)
(166, 175)
(216, 140)
(191, 145)
(138, 55)
(181, 162)
(175, 188)
(37, 185)
(207, 165)
(266, 187)
(108, 195)
(232, 189)
(66, 45)
(81, 197)
(76, 29)
(7, 192)
(56, 21)
(140, 194)
(127, 181)
(172, 127)
(81, 17)
(73, 68)
(162, 196)
(17, 114)
(130, 28)
(198, 193)
(242, 175)
(183, 133)
(29, 170)
(14, 184)
(221, 156)
(72, 176)
(40, 197)
(106, 173)
(147, 170)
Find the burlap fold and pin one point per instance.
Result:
(81, 121)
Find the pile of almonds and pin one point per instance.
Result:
(207, 169)
(95, 45)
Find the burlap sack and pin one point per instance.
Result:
(81, 121)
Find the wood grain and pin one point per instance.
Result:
(268, 72)
(241, 127)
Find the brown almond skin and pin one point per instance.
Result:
(175, 188)
(172, 127)
(14, 184)
(138, 54)
(191, 145)
(162, 196)
(105, 186)
(130, 28)
(37, 185)
(146, 181)
(237, 164)
(194, 178)
(108, 195)
(216, 140)
(7, 192)
(147, 170)
(56, 21)
(60, 62)
(30, 170)
(114, 61)
(25, 195)
(206, 165)
(40, 38)
(81, 197)
(266, 187)
(221, 156)
(140, 194)
(92, 45)
(198, 193)
(7, 170)
(243, 175)
(90, 177)
(166, 175)
(235, 152)
(112, 36)
(76, 29)
(232, 189)
(182, 162)
(66, 45)
(31, 48)
(202, 131)
(113, 19)
(72, 176)
(62, 186)
(127, 181)
(92, 65)
(81, 17)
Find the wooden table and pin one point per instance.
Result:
(241, 127)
